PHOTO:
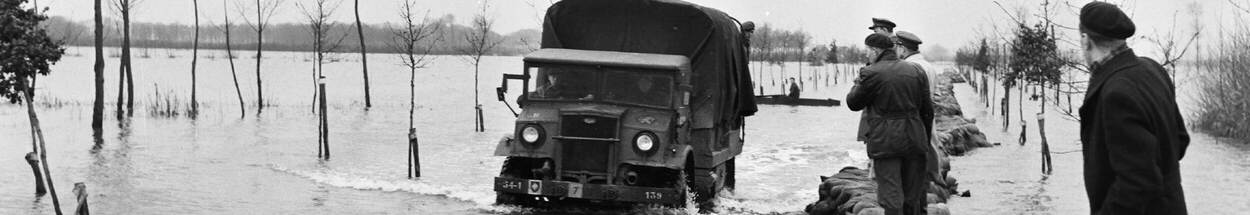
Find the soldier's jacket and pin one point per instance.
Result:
(898, 108)
(1133, 138)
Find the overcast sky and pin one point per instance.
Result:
(950, 23)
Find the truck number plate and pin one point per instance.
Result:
(511, 185)
(653, 195)
(535, 187)
(575, 190)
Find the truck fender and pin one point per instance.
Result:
(678, 160)
(504, 147)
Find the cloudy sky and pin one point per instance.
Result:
(950, 23)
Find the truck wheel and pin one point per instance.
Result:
(730, 179)
(681, 182)
(514, 168)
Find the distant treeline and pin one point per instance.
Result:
(769, 44)
(278, 36)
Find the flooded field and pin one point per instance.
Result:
(266, 163)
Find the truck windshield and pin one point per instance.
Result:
(631, 86)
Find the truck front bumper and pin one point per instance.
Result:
(604, 192)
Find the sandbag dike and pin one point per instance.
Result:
(852, 191)
(957, 135)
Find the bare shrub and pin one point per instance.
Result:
(1224, 95)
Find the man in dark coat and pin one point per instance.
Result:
(1132, 133)
(794, 90)
(897, 125)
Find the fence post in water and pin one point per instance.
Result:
(414, 155)
(33, 160)
(80, 190)
(1047, 166)
(481, 122)
(325, 128)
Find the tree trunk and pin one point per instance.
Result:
(97, 110)
(130, 81)
(364, 58)
(195, 53)
(477, 106)
(43, 149)
(260, 42)
(121, 80)
(230, 57)
(1006, 103)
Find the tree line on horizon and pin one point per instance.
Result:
(279, 36)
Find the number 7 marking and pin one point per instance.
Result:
(575, 190)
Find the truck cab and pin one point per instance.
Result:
(633, 101)
(599, 125)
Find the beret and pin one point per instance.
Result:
(879, 40)
(1107, 20)
(904, 36)
(881, 22)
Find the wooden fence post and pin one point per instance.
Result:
(325, 127)
(414, 155)
(33, 160)
(80, 190)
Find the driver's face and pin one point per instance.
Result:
(644, 84)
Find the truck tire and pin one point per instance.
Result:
(513, 168)
(730, 179)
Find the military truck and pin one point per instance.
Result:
(634, 101)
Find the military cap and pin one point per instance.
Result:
(1107, 20)
(881, 22)
(879, 40)
(908, 37)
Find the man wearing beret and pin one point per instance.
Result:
(908, 48)
(896, 125)
(1132, 133)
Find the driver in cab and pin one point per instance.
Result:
(645, 92)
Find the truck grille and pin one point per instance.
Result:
(588, 126)
(583, 155)
(587, 155)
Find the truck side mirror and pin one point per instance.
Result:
(748, 27)
(499, 91)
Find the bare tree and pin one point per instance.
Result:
(1173, 51)
(230, 57)
(540, 13)
(97, 110)
(480, 43)
(415, 41)
(125, 70)
(364, 58)
(195, 57)
(319, 25)
(264, 12)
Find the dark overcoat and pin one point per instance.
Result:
(898, 110)
(1133, 139)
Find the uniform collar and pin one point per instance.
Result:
(1118, 50)
(1102, 70)
(909, 54)
(886, 55)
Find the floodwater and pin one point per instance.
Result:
(266, 163)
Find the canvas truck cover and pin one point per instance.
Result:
(710, 38)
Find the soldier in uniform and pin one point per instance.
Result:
(1133, 137)
(896, 126)
(909, 50)
(882, 26)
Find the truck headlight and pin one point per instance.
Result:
(532, 134)
(645, 141)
